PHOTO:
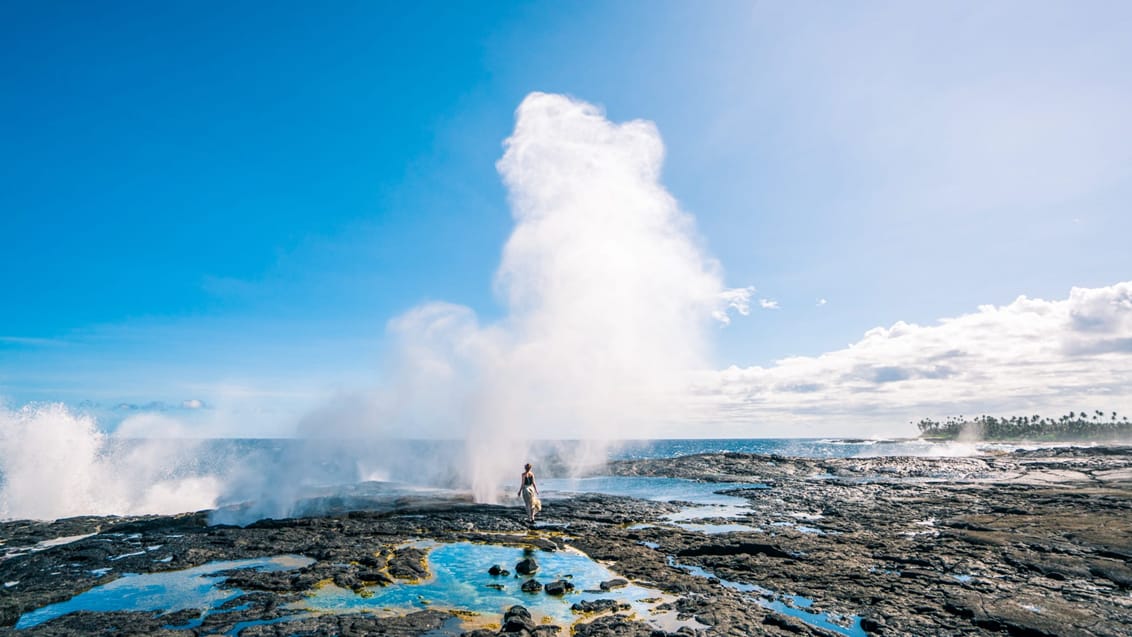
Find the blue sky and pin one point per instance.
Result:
(208, 200)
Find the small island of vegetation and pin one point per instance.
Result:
(1073, 426)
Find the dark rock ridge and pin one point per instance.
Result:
(1032, 542)
(612, 584)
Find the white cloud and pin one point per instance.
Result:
(1029, 356)
(768, 304)
(821, 302)
(733, 299)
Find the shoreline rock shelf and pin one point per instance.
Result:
(1035, 542)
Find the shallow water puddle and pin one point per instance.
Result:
(801, 528)
(654, 488)
(718, 529)
(460, 580)
(705, 502)
(794, 605)
(42, 546)
(696, 518)
(165, 592)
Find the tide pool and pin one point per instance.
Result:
(460, 580)
(704, 501)
(193, 588)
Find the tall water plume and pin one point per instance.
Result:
(609, 301)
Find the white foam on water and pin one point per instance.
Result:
(57, 463)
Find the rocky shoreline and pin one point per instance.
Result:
(1032, 542)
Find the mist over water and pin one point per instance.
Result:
(56, 463)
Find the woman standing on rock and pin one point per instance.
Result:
(528, 490)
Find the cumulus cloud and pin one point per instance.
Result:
(1029, 356)
(768, 304)
(733, 299)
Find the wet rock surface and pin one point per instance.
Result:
(1034, 542)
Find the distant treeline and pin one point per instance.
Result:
(1073, 426)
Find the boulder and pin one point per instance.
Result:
(609, 585)
(517, 619)
(526, 566)
(599, 606)
(531, 586)
(559, 587)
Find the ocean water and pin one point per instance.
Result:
(249, 479)
(803, 447)
(355, 468)
(328, 453)
(339, 461)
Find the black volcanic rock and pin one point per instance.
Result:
(615, 626)
(531, 586)
(599, 606)
(526, 566)
(1027, 543)
(609, 585)
(516, 620)
(558, 587)
(408, 564)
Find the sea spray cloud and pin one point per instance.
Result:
(57, 463)
(610, 296)
(610, 301)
